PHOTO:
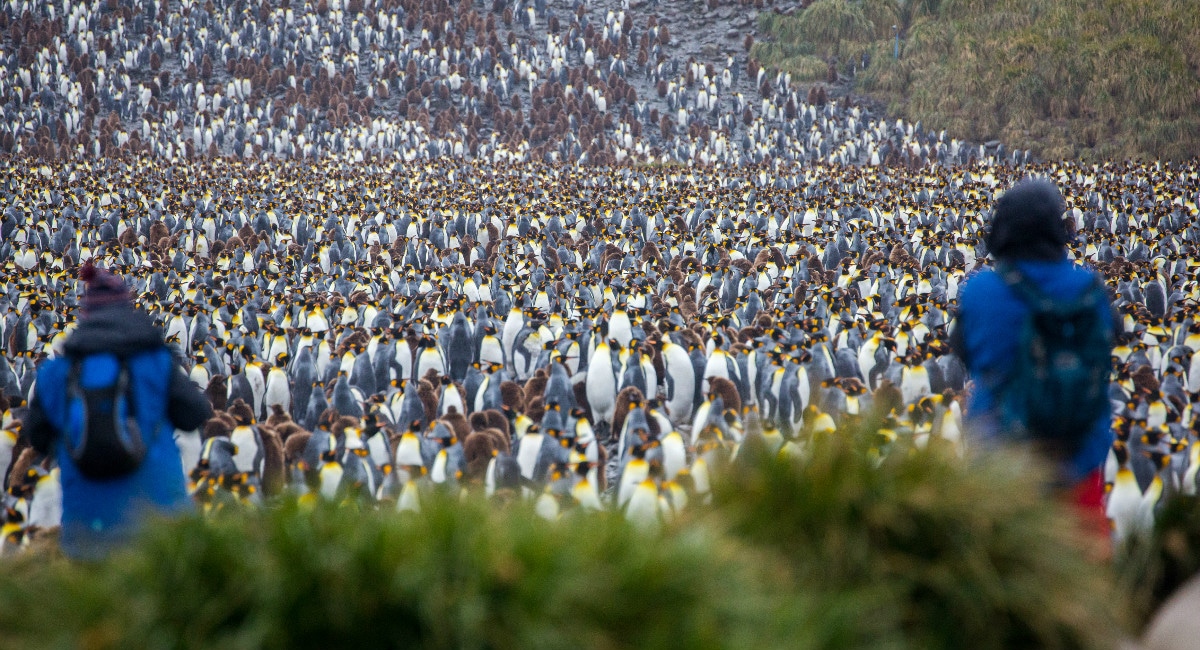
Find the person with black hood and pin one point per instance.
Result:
(1033, 275)
(116, 363)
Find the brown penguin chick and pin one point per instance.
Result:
(650, 252)
(20, 467)
(496, 420)
(479, 421)
(158, 231)
(273, 463)
(763, 257)
(872, 258)
(327, 418)
(816, 270)
(21, 447)
(535, 386)
(581, 400)
(429, 398)
(246, 232)
(341, 424)
(478, 450)
(241, 413)
(602, 462)
(512, 396)
(628, 395)
(457, 422)
(278, 416)
(1144, 380)
(214, 428)
(535, 409)
(690, 337)
(688, 308)
(287, 430)
(226, 418)
(293, 449)
(887, 398)
(727, 391)
(898, 256)
(499, 439)
(128, 237)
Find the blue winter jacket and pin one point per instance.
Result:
(101, 514)
(987, 331)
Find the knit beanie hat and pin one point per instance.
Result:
(103, 289)
(1027, 222)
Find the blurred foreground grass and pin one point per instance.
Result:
(829, 551)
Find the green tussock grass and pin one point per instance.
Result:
(1089, 79)
(831, 550)
(1156, 563)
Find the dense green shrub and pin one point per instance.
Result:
(1151, 567)
(459, 575)
(1065, 78)
(971, 554)
(837, 550)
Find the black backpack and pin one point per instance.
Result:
(1059, 386)
(110, 442)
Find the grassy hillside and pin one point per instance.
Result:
(1090, 79)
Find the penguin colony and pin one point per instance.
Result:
(530, 80)
(581, 337)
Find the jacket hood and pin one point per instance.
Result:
(119, 329)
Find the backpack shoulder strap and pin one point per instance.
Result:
(1032, 296)
(123, 382)
(1026, 291)
(73, 372)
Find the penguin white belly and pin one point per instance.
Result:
(431, 359)
(651, 377)
(451, 398)
(189, 445)
(258, 386)
(46, 509)
(248, 452)
(1193, 377)
(527, 455)
(585, 493)
(277, 392)
(317, 322)
(602, 388)
(914, 383)
(379, 450)
(490, 351)
(404, 359)
(331, 479)
(636, 471)
(620, 328)
(438, 473)
(512, 327)
(546, 507)
(643, 507)
(715, 367)
(674, 455)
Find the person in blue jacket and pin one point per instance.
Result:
(99, 515)
(1027, 231)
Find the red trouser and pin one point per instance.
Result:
(1087, 497)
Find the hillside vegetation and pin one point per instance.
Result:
(1089, 79)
